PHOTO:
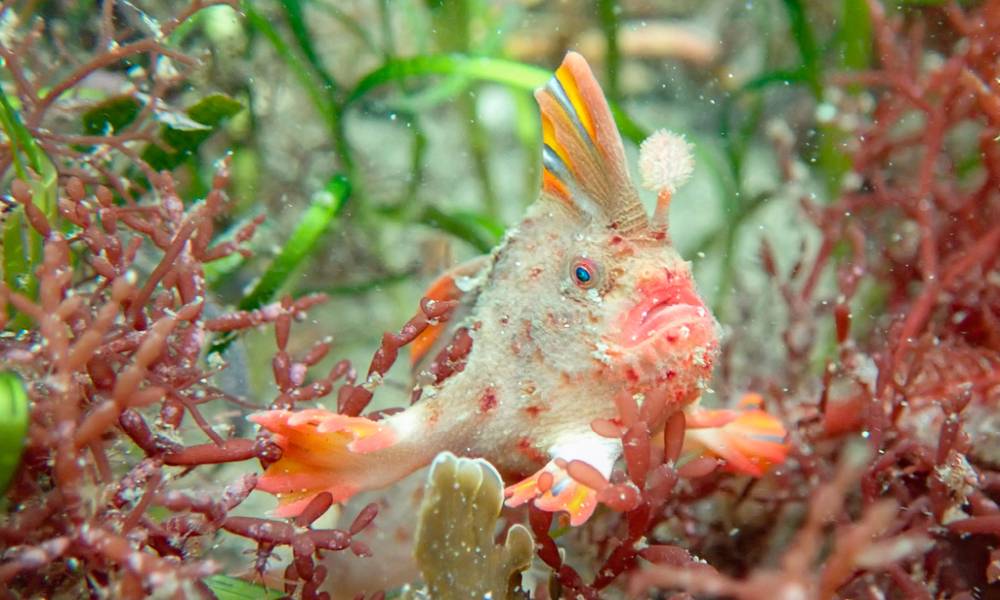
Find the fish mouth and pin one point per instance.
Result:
(664, 320)
(668, 340)
(674, 315)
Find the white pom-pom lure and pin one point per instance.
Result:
(665, 164)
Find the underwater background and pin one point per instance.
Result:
(212, 208)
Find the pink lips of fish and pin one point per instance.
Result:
(670, 327)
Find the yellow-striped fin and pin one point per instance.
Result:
(583, 159)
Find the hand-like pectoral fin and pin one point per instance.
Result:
(749, 440)
(445, 287)
(571, 481)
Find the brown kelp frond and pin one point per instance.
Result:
(134, 477)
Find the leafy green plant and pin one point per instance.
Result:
(318, 218)
(22, 245)
(184, 134)
(14, 410)
(231, 588)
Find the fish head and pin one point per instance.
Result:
(659, 331)
(642, 319)
(627, 306)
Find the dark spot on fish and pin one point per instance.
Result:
(666, 377)
(534, 410)
(488, 400)
(659, 235)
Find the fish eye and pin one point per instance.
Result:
(584, 272)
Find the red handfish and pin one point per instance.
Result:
(584, 300)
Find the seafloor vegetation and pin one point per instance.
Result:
(215, 207)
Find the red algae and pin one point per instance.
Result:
(100, 367)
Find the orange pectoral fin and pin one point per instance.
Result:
(573, 480)
(750, 441)
(441, 289)
(553, 490)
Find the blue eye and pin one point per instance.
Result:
(584, 272)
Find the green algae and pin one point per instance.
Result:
(455, 548)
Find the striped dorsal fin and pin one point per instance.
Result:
(583, 161)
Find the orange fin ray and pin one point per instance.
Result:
(749, 440)
(441, 289)
(553, 488)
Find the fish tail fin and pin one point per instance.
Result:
(322, 451)
(748, 439)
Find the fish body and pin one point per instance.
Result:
(584, 301)
(550, 355)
